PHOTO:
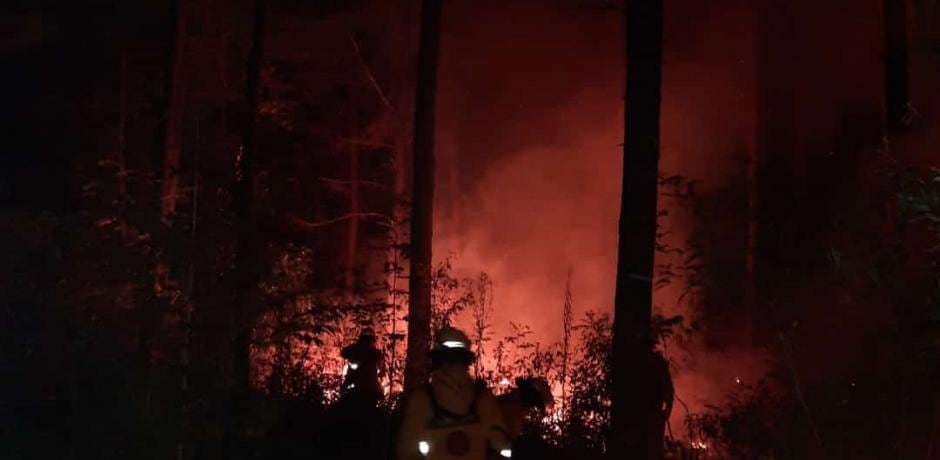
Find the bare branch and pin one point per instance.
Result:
(347, 182)
(364, 141)
(307, 225)
(369, 74)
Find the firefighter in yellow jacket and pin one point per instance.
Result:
(452, 418)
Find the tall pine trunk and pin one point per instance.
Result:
(246, 251)
(393, 264)
(245, 274)
(120, 154)
(397, 231)
(152, 305)
(188, 307)
(352, 235)
(630, 415)
(896, 63)
(566, 323)
(173, 118)
(419, 280)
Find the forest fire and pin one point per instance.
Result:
(537, 229)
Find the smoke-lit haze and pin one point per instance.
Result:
(528, 169)
(529, 155)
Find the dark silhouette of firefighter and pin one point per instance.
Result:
(660, 405)
(531, 395)
(355, 427)
(364, 365)
(530, 399)
(452, 417)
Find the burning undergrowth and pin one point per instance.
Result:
(731, 402)
(298, 344)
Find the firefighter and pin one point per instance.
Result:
(452, 417)
(531, 394)
(660, 407)
(364, 364)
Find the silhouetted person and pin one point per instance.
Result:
(530, 398)
(451, 417)
(364, 364)
(661, 404)
(531, 394)
(355, 426)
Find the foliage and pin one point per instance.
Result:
(741, 428)
(586, 422)
(918, 203)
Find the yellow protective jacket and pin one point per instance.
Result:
(480, 421)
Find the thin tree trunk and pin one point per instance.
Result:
(752, 149)
(393, 264)
(246, 270)
(120, 154)
(777, 176)
(395, 269)
(419, 281)
(352, 237)
(174, 118)
(567, 317)
(159, 266)
(187, 317)
(749, 288)
(630, 417)
(896, 63)
(246, 255)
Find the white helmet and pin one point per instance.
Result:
(449, 338)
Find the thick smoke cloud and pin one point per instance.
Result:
(529, 156)
(528, 175)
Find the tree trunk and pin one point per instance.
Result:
(896, 63)
(120, 154)
(173, 118)
(419, 281)
(168, 141)
(352, 236)
(749, 297)
(566, 324)
(245, 257)
(630, 421)
(393, 264)
(399, 119)
(245, 273)
(777, 176)
(188, 307)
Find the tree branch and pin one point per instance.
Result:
(307, 225)
(347, 182)
(368, 71)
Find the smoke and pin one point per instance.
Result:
(528, 171)
(530, 157)
(525, 227)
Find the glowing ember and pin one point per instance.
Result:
(699, 445)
